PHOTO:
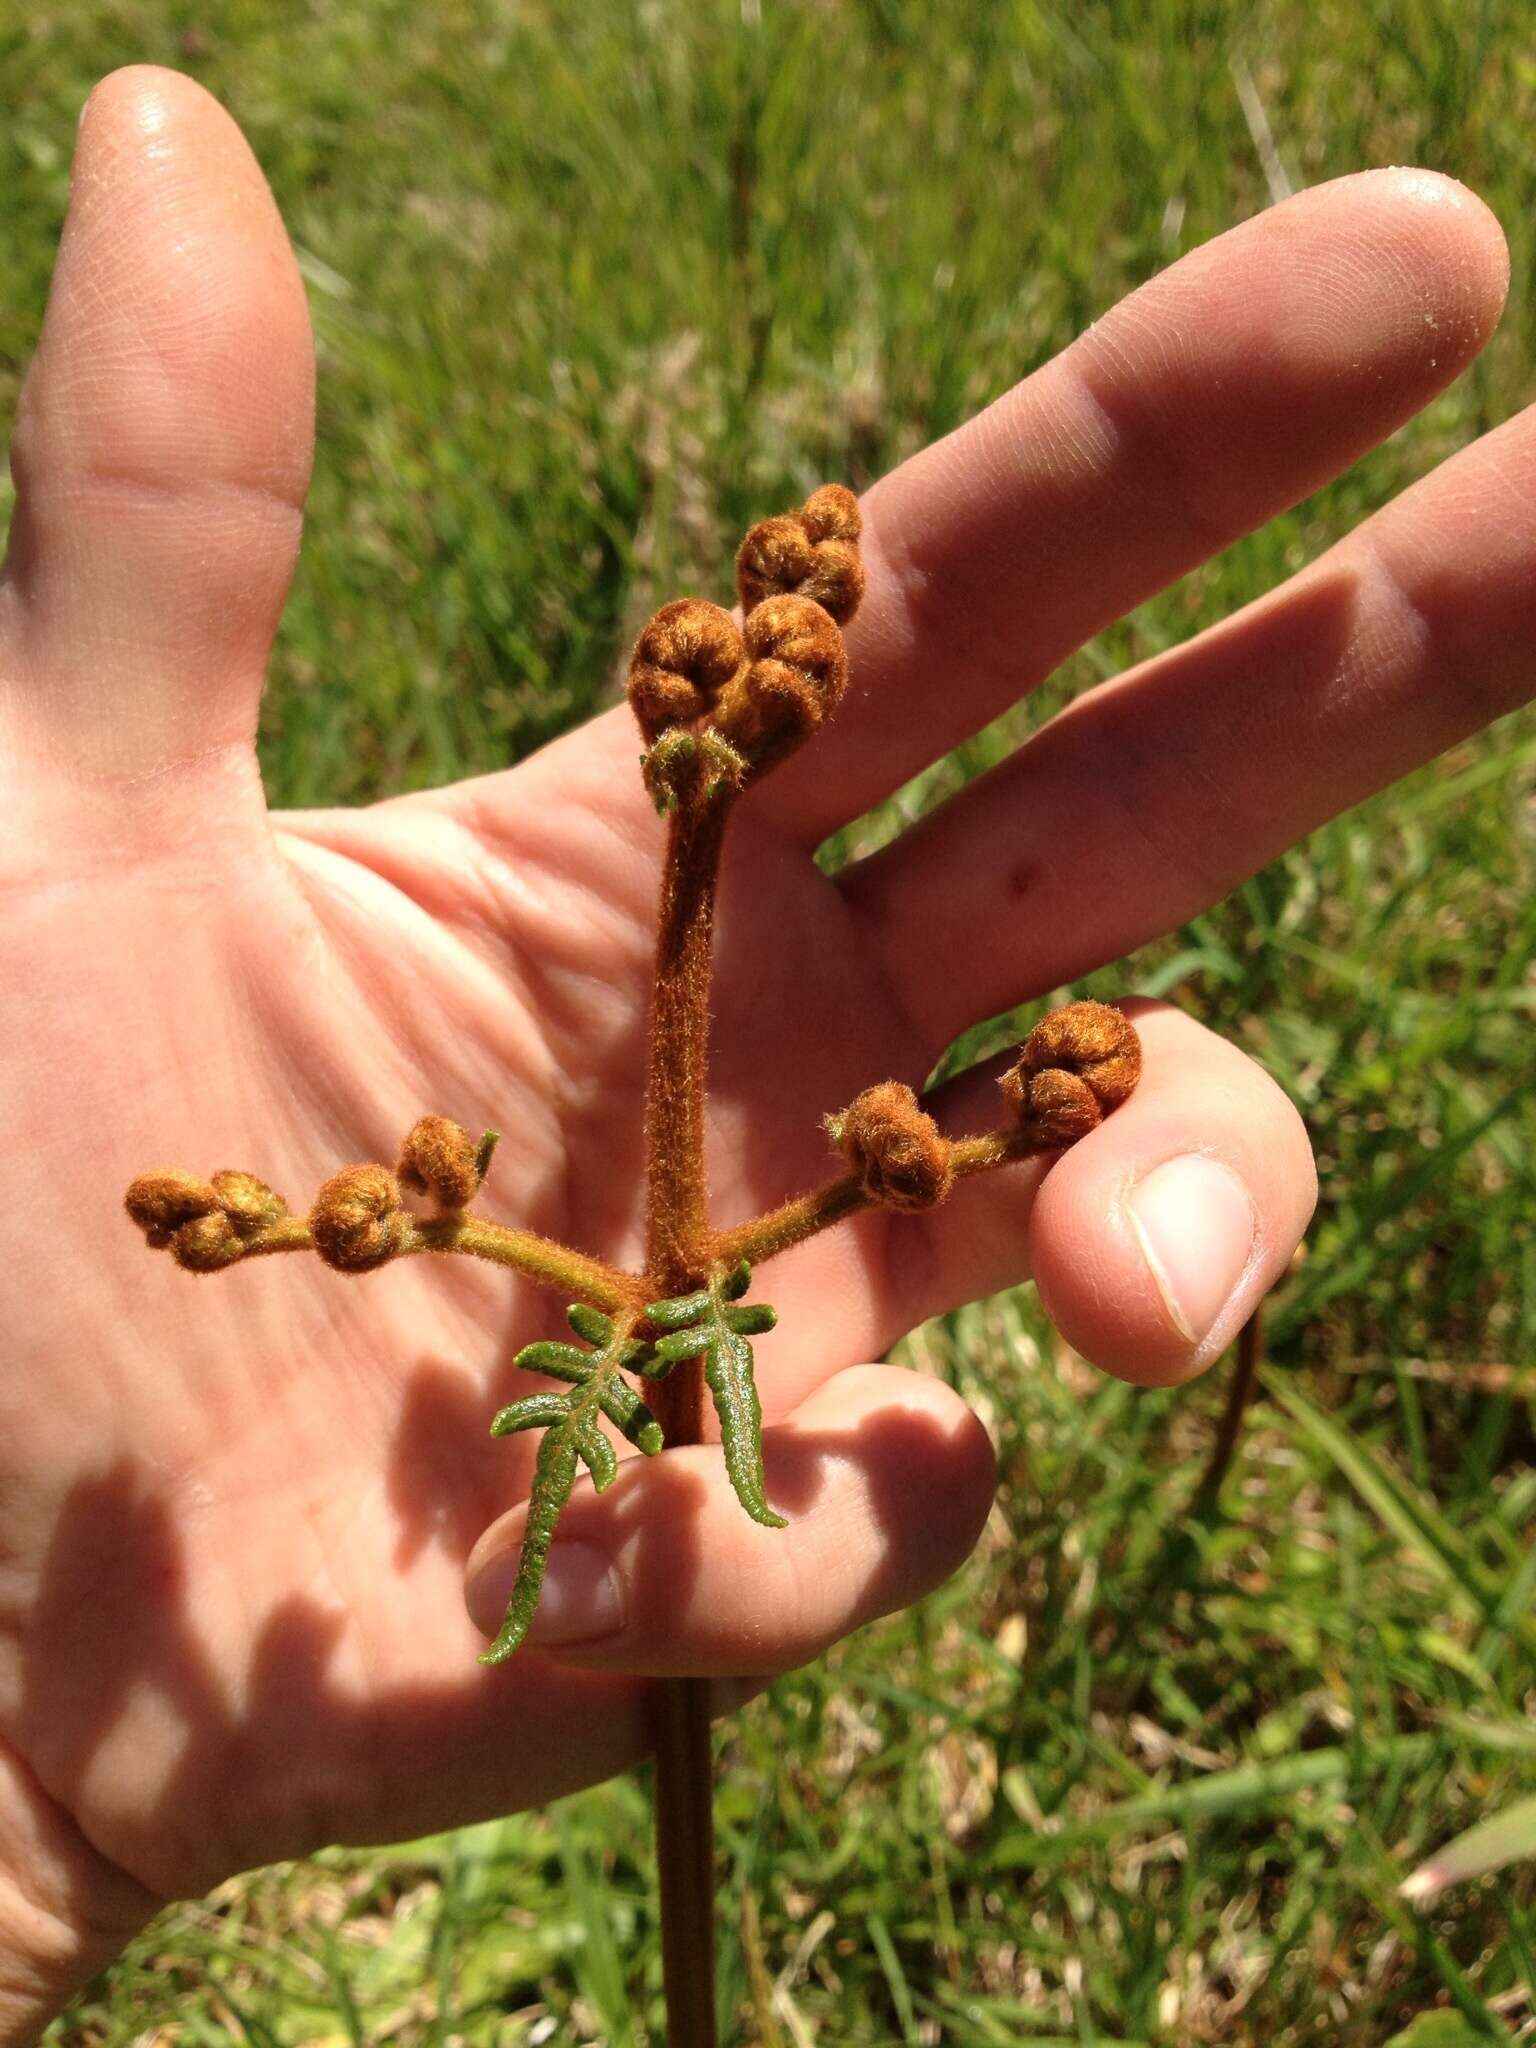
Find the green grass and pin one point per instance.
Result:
(594, 286)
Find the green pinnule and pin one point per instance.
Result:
(713, 1324)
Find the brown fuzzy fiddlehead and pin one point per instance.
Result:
(206, 1224)
(358, 1221)
(813, 552)
(682, 662)
(439, 1158)
(795, 678)
(896, 1149)
(1077, 1064)
(161, 1202)
(719, 704)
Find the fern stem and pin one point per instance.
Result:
(792, 1222)
(291, 1234)
(808, 1214)
(571, 1273)
(677, 1241)
(685, 1858)
(1250, 1350)
(677, 1219)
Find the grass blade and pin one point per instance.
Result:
(1415, 1522)
(1506, 1838)
(1240, 1789)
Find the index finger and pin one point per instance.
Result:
(1214, 397)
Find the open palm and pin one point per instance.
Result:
(239, 1511)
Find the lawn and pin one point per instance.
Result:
(593, 287)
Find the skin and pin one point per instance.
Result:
(240, 1513)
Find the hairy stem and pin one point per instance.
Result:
(677, 1218)
(677, 1243)
(792, 1222)
(807, 1215)
(572, 1273)
(292, 1234)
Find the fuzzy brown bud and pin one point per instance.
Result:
(356, 1221)
(161, 1202)
(832, 513)
(895, 1147)
(207, 1244)
(249, 1203)
(440, 1158)
(798, 673)
(1078, 1064)
(813, 552)
(682, 661)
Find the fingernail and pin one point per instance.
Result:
(578, 1603)
(1196, 1224)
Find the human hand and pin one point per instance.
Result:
(238, 1511)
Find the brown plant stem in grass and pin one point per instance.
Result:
(685, 1857)
(1245, 1372)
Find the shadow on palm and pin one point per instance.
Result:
(183, 1763)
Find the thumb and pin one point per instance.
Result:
(162, 442)
(886, 1478)
(1155, 1239)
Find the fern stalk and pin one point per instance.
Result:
(677, 1217)
(677, 1231)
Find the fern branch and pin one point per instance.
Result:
(713, 1324)
(572, 1437)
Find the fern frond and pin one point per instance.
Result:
(713, 1323)
(572, 1437)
